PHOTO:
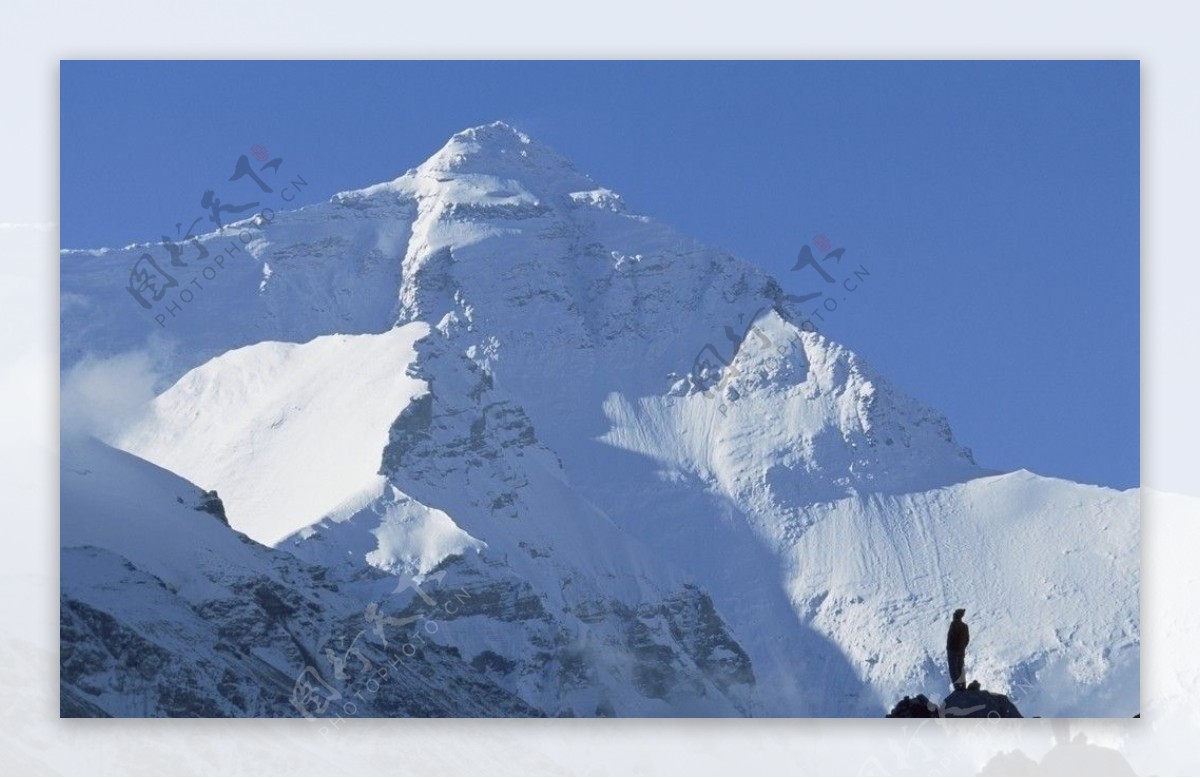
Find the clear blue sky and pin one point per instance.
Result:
(996, 205)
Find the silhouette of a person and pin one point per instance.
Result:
(956, 649)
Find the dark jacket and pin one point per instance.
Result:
(958, 637)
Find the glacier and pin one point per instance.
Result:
(490, 376)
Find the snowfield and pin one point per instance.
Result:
(491, 374)
(285, 432)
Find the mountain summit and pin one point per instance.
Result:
(500, 151)
(661, 495)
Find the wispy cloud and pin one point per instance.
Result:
(101, 395)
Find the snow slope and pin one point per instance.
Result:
(1047, 570)
(286, 432)
(583, 407)
(104, 500)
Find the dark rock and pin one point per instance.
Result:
(961, 704)
(490, 661)
(210, 503)
(978, 704)
(919, 707)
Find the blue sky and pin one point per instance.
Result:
(995, 205)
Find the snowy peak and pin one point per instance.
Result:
(502, 151)
(844, 429)
(500, 245)
(489, 164)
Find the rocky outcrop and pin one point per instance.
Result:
(919, 707)
(563, 636)
(960, 704)
(254, 648)
(978, 704)
(211, 503)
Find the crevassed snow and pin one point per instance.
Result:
(284, 432)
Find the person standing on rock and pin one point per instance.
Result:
(956, 649)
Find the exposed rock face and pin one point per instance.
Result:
(574, 643)
(257, 650)
(211, 504)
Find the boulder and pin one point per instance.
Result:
(962, 703)
(978, 704)
(919, 707)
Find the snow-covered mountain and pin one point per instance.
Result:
(165, 611)
(662, 496)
